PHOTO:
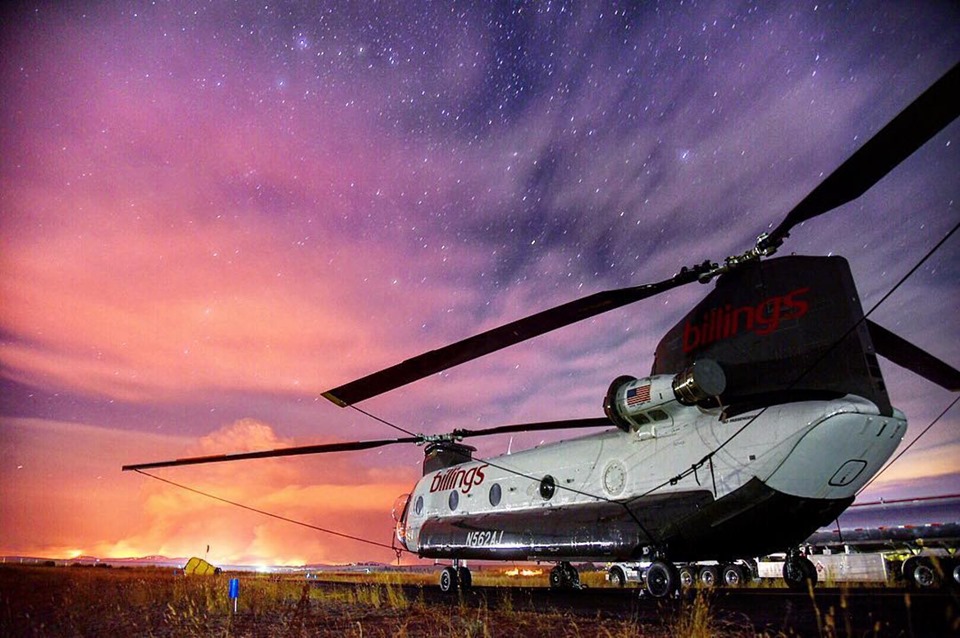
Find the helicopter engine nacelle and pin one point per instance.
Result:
(632, 403)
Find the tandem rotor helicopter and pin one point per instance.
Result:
(767, 397)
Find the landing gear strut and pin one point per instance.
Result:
(799, 572)
(564, 576)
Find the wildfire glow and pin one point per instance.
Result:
(523, 572)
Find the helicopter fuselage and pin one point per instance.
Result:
(624, 494)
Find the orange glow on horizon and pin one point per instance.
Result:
(524, 573)
(155, 518)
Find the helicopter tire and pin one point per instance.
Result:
(448, 580)
(663, 579)
(572, 576)
(564, 576)
(464, 577)
(556, 578)
(799, 573)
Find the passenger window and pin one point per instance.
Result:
(548, 486)
(495, 494)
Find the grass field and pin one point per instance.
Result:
(86, 601)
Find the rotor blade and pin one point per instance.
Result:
(324, 448)
(599, 422)
(510, 334)
(912, 128)
(913, 358)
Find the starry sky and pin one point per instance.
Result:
(213, 212)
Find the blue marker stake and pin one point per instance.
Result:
(234, 592)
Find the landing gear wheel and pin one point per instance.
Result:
(733, 576)
(617, 577)
(564, 576)
(688, 577)
(464, 577)
(556, 578)
(956, 575)
(799, 573)
(448, 579)
(663, 579)
(709, 576)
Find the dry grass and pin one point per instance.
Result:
(68, 601)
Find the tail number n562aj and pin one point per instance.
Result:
(484, 538)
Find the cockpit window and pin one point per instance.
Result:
(658, 415)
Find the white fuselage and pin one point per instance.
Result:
(813, 451)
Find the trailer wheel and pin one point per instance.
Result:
(924, 575)
(956, 575)
(617, 577)
(687, 577)
(733, 576)
(662, 579)
(709, 576)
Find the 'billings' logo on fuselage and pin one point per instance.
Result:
(722, 323)
(457, 478)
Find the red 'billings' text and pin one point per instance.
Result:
(762, 319)
(457, 478)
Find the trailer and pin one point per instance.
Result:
(703, 574)
(907, 541)
(912, 542)
(928, 569)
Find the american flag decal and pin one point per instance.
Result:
(638, 395)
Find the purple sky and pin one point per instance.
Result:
(213, 213)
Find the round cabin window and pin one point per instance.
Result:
(495, 494)
(548, 487)
(418, 506)
(454, 500)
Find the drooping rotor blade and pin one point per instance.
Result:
(598, 422)
(356, 446)
(912, 128)
(492, 340)
(351, 446)
(913, 358)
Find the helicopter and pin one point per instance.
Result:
(763, 415)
